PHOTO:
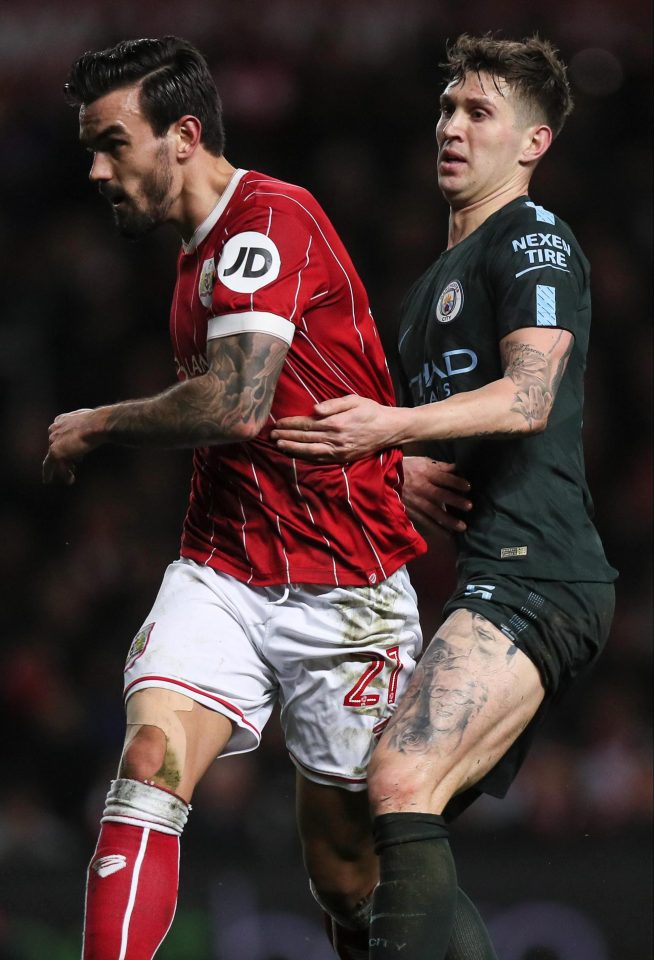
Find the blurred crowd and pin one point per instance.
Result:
(341, 97)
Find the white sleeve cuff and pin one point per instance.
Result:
(251, 322)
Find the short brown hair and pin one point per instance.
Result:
(531, 67)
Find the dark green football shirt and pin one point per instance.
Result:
(521, 268)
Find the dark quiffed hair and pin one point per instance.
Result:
(531, 67)
(174, 78)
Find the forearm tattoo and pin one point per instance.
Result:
(219, 406)
(537, 376)
(450, 687)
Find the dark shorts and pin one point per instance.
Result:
(562, 628)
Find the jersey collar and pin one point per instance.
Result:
(207, 225)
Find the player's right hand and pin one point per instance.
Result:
(67, 444)
(62, 471)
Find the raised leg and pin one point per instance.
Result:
(133, 876)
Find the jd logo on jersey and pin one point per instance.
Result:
(450, 302)
(248, 262)
(246, 259)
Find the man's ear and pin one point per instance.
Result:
(187, 132)
(537, 142)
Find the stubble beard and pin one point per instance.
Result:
(154, 199)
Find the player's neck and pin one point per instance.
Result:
(202, 188)
(465, 220)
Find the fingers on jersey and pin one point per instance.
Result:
(171, 739)
(471, 696)
(430, 488)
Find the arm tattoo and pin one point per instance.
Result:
(537, 376)
(228, 403)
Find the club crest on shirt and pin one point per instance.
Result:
(138, 645)
(207, 281)
(450, 302)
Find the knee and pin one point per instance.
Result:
(342, 877)
(156, 742)
(343, 895)
(144, 754)
(400, 784)
(335, 902)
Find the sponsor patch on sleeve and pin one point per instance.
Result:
(540, 250)
(248, 261)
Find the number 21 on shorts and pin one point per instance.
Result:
(357, 696)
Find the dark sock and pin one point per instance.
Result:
(414, 904)
(347, 944)
(470, 940)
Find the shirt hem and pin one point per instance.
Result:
(478, 567)
(314, 575)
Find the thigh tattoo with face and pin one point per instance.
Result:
(451, 685)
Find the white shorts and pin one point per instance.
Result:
(337, 659)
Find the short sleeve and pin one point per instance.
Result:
(537, 272)
(265, 274)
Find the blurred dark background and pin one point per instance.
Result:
(341, 97)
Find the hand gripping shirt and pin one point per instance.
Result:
(268, 260)
(521, 268)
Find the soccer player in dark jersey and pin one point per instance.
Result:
(291, 585)
(492, 346)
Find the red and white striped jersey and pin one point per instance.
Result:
(268, 259)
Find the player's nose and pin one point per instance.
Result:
(100, 168)
(451, 129)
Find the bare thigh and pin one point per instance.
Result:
(470, 697)
(171, 739)
(336, 836)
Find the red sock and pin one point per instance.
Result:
(131, 892)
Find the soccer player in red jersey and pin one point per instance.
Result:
(291, 585)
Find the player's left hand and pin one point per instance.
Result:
(435, 495)
(68, 443)
(341, 430)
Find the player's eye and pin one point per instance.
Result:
(111, 147)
